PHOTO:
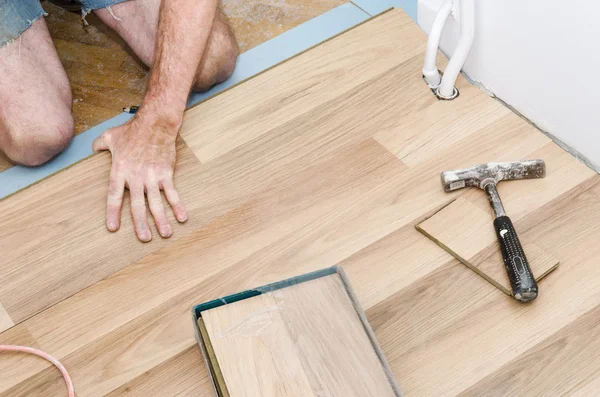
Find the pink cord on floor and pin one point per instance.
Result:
(45, 356)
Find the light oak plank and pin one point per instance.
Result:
(426, 132)
(300, 84)
(17, 367)
(54, 239)
(210, 289)
(466, 232)
(586, 388)
(5, 320)
(345, 235)
(394, 262)
(350, 233)
(183, 375)
(105, 364)
(303, 340)
(557, 366)
(417, 192)
(255, 350)
(224, 194)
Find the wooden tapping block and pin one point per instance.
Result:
(305, 339)
(466, 232)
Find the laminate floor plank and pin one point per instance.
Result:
(105, 364)
(301, 340)
(17, 367)
(54, 239)
(305, 82)
(5, 320)
(272, 366)
(183, 375)
(589, 387)
(554, 367)
(422, 134)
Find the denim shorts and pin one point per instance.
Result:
(17, 15)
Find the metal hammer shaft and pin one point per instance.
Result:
(494, 197)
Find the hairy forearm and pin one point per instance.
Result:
(183, 33)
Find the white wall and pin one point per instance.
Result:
(542, 57)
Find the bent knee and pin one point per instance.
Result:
(227, 62)
(220, 61)
(33, 145)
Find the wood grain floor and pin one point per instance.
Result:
(330, 158)
(104, 74)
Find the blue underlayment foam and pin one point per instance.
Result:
(250, 63)
(374, 7)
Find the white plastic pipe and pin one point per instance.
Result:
(467, 33)
(430, 71)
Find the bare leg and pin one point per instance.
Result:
(138, 26)
(35, 98)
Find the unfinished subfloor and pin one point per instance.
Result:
(330, 158)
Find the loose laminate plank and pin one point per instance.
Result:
(467, 233)
(302, 340)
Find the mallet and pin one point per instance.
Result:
(486, 177)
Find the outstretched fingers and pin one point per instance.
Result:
(138, 212)
(174, 200)
(114, 202)
(158, 210)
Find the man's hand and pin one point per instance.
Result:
(143, 150)
(143, 160)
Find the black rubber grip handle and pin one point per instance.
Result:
(521, 278)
